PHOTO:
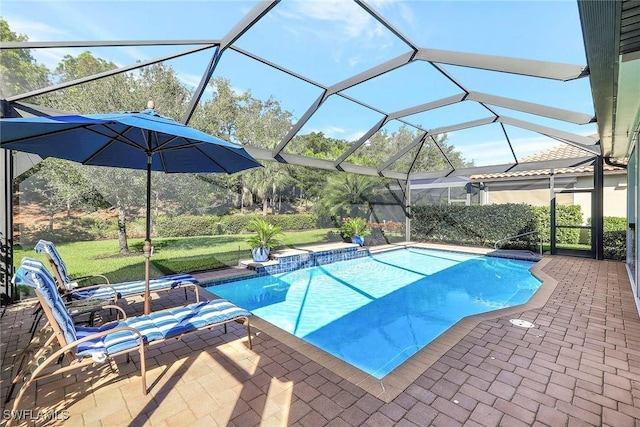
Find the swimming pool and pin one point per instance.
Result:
(376, 312)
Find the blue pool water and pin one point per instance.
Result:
(376, 312)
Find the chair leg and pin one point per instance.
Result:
(36, 321)
(111, 362)
(92, 316)
(22, 358)
(37, 312)
(31, 378)
(143, 370)
(249, 334)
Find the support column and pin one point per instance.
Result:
(407, 210)
(6, 226)
(6, 215)
(597, 209)
(552, 212)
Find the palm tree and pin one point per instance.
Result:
(266, 182)
(349, 194)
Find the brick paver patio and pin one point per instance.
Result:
(579, 366)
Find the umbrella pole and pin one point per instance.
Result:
(146, 249)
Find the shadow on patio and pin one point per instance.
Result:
(580, 364)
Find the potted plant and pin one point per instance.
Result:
(266, 237)
(355, 229)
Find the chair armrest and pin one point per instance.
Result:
(120, 309)
(106, 280)
(85, 288)
(74, 344)
(82, 307)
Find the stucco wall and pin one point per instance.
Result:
(614, 198)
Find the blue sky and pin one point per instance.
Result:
(328, 41)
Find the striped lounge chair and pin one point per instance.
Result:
(90, 345)
(110, 291)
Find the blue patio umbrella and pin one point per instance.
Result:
(136, 140)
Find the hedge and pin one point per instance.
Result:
(615, 245)
(483, 225)
(186, 225)
(614, 239)
(565, 215)
(473, 225)
(208, 225)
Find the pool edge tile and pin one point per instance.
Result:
(394, 383)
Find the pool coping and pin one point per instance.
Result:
(394, 383)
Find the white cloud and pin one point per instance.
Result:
(36, 31)
(331, 131)
(190, 80)
(39, 31)
(338, 132)
(334, 25)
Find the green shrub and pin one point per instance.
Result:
(354, 227)
(186, 225)
(235, 224)
(266, 235)
(565, 215)
(238, 224)
(474, 225)
(615, 245)
(210, 225)
(614, 238)
(484, 225)
(83, 228)
(614, 223)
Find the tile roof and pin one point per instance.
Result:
(562, 151)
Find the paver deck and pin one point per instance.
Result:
(579, 365)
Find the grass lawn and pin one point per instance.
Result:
(171, 255)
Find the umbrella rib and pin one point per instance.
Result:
(120, 138)
(213, 160)
(27, 138)
(169, 141)
(194, 145)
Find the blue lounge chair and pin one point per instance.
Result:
(90, 345)
(106, 290)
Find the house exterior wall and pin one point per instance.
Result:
(539, 197)
(633, 232)
(614, 195)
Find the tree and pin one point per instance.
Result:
(261, 123)
(122, 92)
(316, 144)
(19, 71)
(431, 158)
(131, 189)
(266, 182)
(349, 194)
(61, 185)
(218, 115)
(193, 193)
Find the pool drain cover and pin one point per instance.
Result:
(521, 323)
